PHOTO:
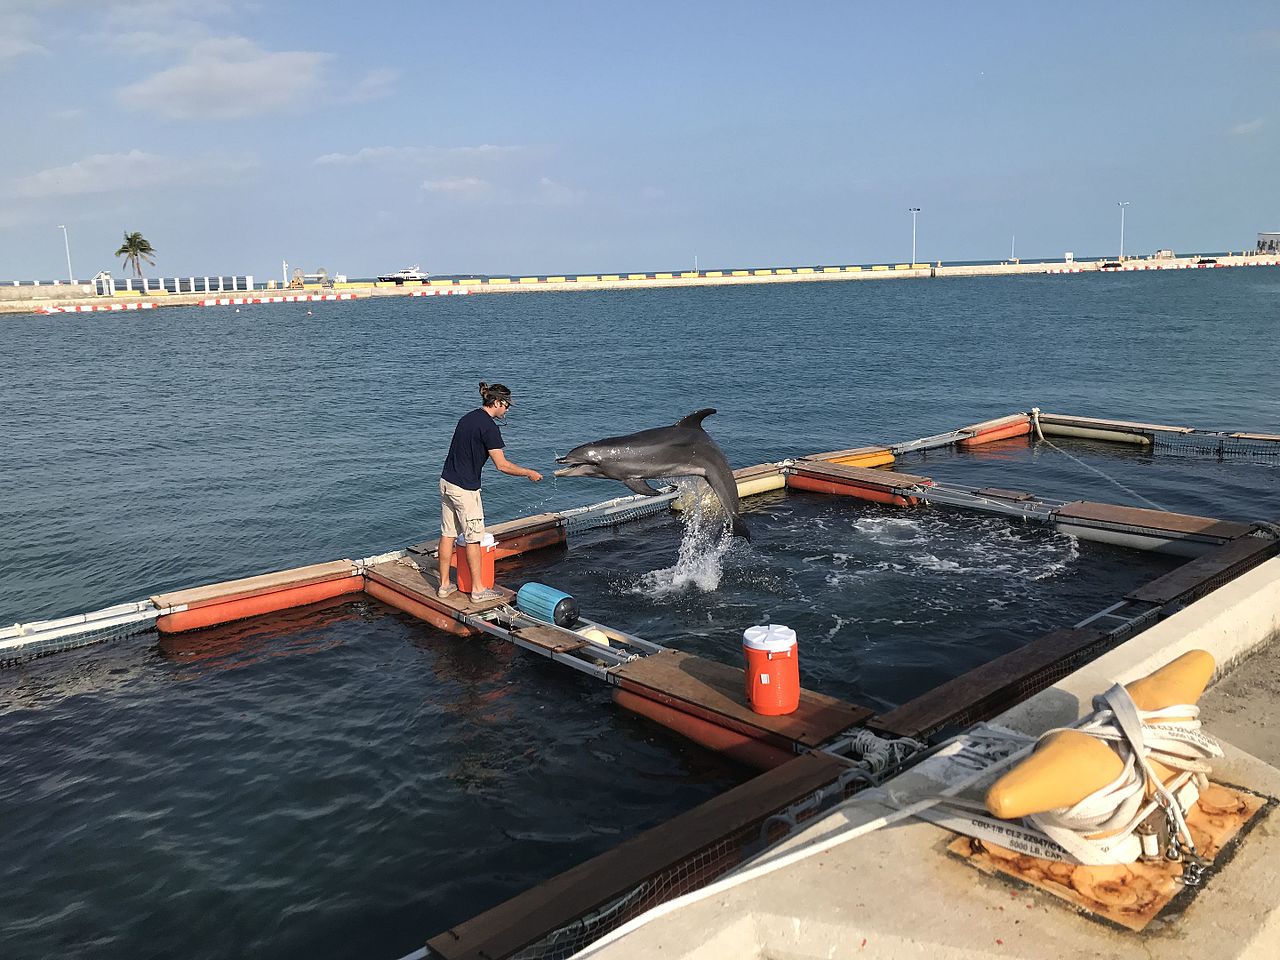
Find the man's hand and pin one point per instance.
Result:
(534, 476)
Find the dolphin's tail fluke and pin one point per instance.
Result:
(740, 529)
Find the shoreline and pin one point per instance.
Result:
(596, 282)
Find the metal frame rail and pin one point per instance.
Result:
(1039, 509)
(37, 638)
(929, 443)
(593, 659)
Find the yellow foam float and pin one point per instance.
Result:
(1071, 765)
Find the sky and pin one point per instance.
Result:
(585, 137)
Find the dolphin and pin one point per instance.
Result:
(683, 449)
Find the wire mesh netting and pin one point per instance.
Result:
(684, 876)
(1218, 446)
(621, 510)
(868, 758)
(20, 643)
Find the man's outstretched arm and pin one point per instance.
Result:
(514, 469)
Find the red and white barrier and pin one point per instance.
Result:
(441, 292)
(95, 307)
(292, 298)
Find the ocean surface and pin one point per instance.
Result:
(345, 781)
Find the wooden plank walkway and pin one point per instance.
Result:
(990, 689)
(882, 479)
(1098, 423)
(717, 692)
(1160, 520)
(1205, 573)
(257, 585)
(421, 585)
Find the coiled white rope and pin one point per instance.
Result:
(1170, 736)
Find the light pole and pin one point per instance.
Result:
(1122, 204)
(71, 277)
(913, 211)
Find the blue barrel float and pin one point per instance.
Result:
(547, 603)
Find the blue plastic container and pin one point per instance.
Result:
(548, 603)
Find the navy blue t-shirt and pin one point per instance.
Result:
(474, 436)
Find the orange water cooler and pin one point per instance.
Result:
(488, 546)
(773, 669)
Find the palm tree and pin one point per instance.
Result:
(136, 249)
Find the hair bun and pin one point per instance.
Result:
(483, 387)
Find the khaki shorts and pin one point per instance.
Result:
(460, 512)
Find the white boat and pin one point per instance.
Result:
(401, 276)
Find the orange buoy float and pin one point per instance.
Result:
(483, 580)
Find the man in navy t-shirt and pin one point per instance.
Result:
(476, 439)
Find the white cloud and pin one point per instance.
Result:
(124, 172)
(18, 38)
(416, 155)
(146, 27)
(1244, 129)
(129, 12)
(458, 185)
(12, 47)
(173, 38)
(551, 192)
(373, 85)
(228, 78)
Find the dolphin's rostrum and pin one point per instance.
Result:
(683, 449)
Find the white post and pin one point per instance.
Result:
(1012, 244)
(1122, 204)
(913, 211)
(220, 283)
(284, 272)
(71, 277)
(248, 281)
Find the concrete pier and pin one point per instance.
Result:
(33, 299)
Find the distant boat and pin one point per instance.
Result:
(401, 276)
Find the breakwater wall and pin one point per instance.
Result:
(48, 298)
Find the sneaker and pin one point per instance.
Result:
(484, 596)
(448, 590)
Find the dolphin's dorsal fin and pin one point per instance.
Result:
(695, 419)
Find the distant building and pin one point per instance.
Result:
(1269, 242)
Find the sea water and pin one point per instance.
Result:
(346, 781)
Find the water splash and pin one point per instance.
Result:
(703, 546)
